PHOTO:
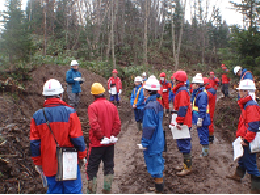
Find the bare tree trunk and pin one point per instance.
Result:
(163, 24)
(112, 36)
(145, 35)
(180, 37)
(174, 56)
(108, 46)
(123, 22)
(98, 25)
(44, 28)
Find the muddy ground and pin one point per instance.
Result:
(209, 174)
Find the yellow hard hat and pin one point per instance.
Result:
(97, 88)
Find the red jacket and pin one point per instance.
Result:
(103, 121)
(182, 105)
(225, 79)
(213, 83)
(67, 130)
(249, 119)
(116, 82)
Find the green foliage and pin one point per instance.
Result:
(16, 42)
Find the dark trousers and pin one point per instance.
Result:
(225, 89)
(96, 154)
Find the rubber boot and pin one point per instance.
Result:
(211, 137)
(159, 184)
(239, 173)
(187, 165)
(139, 125)
(255, 184)
(108, 180)
(92, 186)
(2, 140)
(167, 113)
(205, 150)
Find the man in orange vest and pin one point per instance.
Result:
(137, 101)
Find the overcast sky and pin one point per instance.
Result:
(231, 16)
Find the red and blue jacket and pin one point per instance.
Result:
(182, 105)
(67, 131)
(249, 119)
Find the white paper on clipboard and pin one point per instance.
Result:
(184, 133)
(238, 148)
(114, 90)
(69, 165)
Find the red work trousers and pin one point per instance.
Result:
(212, 102)
(165, 100)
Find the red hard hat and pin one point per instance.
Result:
(223, 65)
(162, 74)
(211, 73)
(115, 71)
(181, 76)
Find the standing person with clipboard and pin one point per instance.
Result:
(248, 129)
(56, 142)
(184, 117)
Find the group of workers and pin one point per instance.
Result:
(152, 100)
(57, 126)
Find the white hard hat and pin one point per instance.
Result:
(198, 79)
(247, 84)
(152, 77)
(144, 74)
(152, 84)
(236, 69)
(52, 87)
(74, 63)
(138, 79)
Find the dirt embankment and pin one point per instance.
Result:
(19, 175)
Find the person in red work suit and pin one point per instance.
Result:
(164, 90)
(212, 87)
(225, 81)
(184, 117)
(67, 131)
(104, 122)
(247, 128)
(114, 87)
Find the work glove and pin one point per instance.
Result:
(113, 139)
(77, 78)
(39, 169)
(120, 91)
(199, 122)
(140, 146)
(82, 163)
(105, 141)
(82, 79)
(110, 90)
